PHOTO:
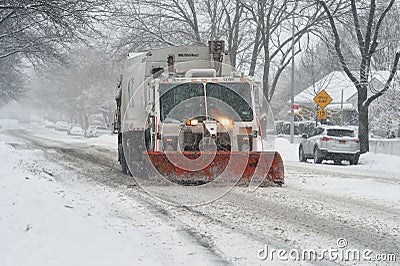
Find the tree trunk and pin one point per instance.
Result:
(265, 42)
(235, 33)
(266, 74)
(363, 128)
(254, 55)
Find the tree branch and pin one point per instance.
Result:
(378, 26)
(360, 38)
(388, 82)
(338, 44)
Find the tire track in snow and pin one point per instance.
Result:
(266, 210)
(103, 170)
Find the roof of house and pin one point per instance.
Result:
(335, 84)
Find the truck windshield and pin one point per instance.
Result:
(236, 97)
(179, 102)
(174, 94)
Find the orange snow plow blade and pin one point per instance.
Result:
(202, 167)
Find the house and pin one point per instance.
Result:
(343, 108)
(336, 84)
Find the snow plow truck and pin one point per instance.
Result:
(185, 114)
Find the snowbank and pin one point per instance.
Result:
(51, 216)
(382, 163)
(8, 124)
(288, 151)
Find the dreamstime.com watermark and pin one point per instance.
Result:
(338, 253)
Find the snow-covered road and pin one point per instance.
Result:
(63, 201)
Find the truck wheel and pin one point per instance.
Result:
(122, 160)
(317, 156)
(354, 160)
(302, 158)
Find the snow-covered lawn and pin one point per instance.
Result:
(50, 216)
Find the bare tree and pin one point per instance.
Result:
(87, 83)
(390, 32)
(154, 24)
(233, 24)
(12, 80)
(41, 31)
(38, 29)
(389, 102)
(273, 37)
(256, 32)
(151, 24)
(368, 32)
(317, 61)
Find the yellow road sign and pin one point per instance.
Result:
(322, 99)
(322, 114)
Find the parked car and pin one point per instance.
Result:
(95, 131)
(61, 126)
(279, 127)
(306, 126)
(330, 143)
(286, 128)
(89, 132)
(48, 124)
(75, 130)
(103, 131)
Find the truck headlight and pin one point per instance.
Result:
(193, 122)
(226, 122)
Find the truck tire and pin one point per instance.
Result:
(317, 156)
(122, 160)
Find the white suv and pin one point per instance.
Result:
(330, 143)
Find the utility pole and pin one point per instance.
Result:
(292, 85)
(341, 111)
